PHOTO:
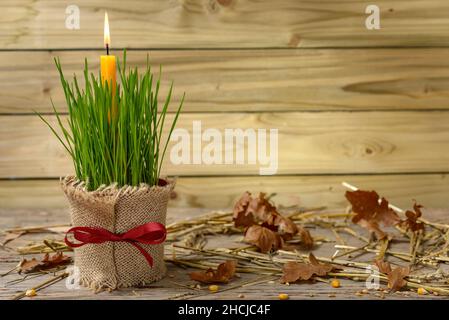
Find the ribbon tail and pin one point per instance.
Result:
(147, 256)
(70, 243)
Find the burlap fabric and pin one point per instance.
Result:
(111, 265)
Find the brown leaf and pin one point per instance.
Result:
(27, 266)
(249, 211)
(386, 215)
(384, 266)
(258, 211)
(243, 218)
(225, 271)
(323, 267)
(370, 211)
(47, 262)
(263, 238)
(286, 227)
(411, 222)
(395, 276)
(55, 260)
(306, 238)
(261, 208)
(294, 271)
(372, 226)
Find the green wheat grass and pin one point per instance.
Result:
(125, 146)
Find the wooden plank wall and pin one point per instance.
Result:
(368, 107)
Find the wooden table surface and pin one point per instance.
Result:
(176, 284)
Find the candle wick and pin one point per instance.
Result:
(107, 49)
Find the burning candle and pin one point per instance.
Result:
(108, 64)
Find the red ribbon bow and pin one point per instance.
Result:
(148, 233)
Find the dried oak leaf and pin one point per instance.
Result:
(285, 227)
(261, 208)
(370, 211)
(294, 271)
(384, 266)
(263, 238)
(225, 271)
(306, 238)
(372, 226)
(241, 216)
(411, 222)
(249, 211)
(27, 266)
(395, 276)
(55, 260)
(47, 262)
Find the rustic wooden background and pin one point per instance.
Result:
(367, 107)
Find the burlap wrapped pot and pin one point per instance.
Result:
(111, 265)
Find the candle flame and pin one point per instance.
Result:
(107, 37)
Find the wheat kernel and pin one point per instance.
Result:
(283, 296)
(30, 293)
(422, 291)
(335, 283)
(213, 288)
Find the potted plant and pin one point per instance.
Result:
(115, 137)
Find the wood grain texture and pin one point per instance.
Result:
(308, 143)
(224, 24)
(430, 190)
(251, 80)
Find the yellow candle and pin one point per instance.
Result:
(108, 65)
(108, 71)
